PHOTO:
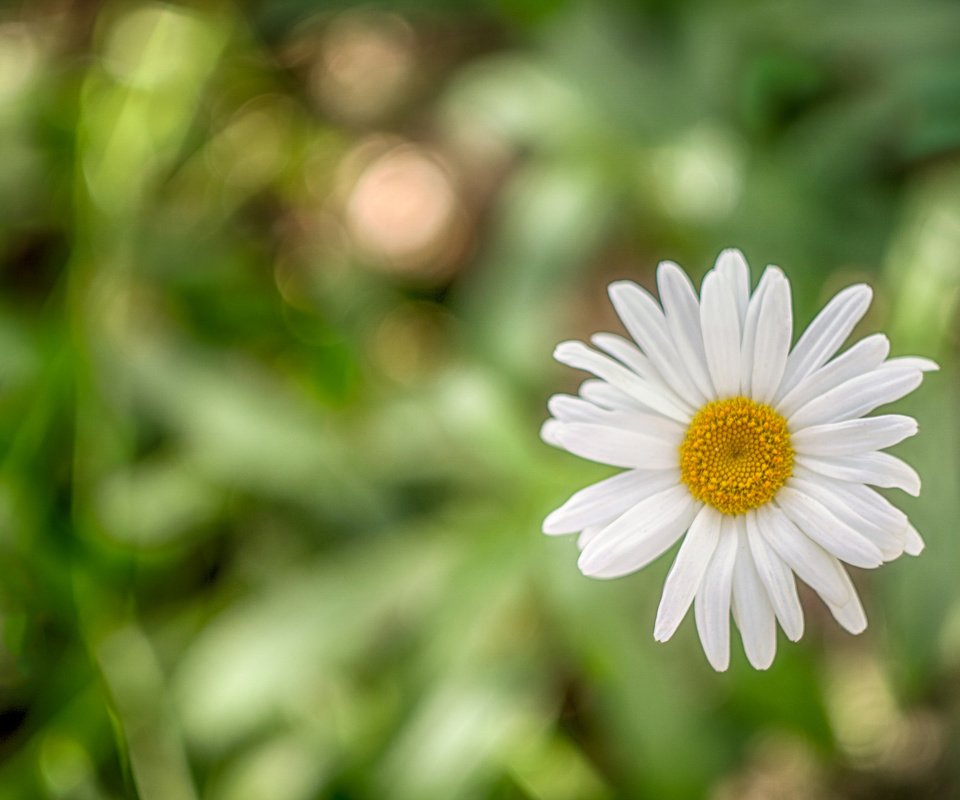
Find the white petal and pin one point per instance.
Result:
(853, 436)
(567, 408)
(778, 579)
(646, 424)
(912, 362)
(640, 535)
(630, 356)
(751, 606)
(831, 533)
(825, 334)
(850, 615)
(875, 468)
(772, 340)
(914, 541)
(687, 572)
(682, 311)
(627, 353)
(617, 447)
(734, 268)
(712, 605)
(721, 334)
(856, 397)
(863, 500)
(642, 317)
(871, 505)
(603, 394)
(845, 506)
(587, 535)
(608, 499)
(549, 431)
(749, 338)
(865, 355)
(813, 565)
(579, 356)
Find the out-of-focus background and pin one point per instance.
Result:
(279, 285)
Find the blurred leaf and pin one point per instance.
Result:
(270, 652)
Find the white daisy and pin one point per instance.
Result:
(760, 454)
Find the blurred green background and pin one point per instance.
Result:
(279, 285)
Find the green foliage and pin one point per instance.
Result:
(278, 292)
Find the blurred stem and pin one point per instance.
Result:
(148, 740)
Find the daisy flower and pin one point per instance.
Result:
(758, 455)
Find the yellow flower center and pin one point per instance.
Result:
(736, 454)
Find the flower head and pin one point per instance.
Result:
(758, 455)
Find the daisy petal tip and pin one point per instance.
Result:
(719, 664)
(555, 403)
(774, 272)
(762, 664)
(671, 269)
(586, 564)
(618, 288)
(598, 339)
(850, 616)
(563, 350)
(708, 280)
(596, 564)
(663, 630)
(551, 526)
(794, 636)
(908, 425)
(914, 544)
(550, 433)
(731, 254)
(857, 629)
(792, 627)
(858, 294)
